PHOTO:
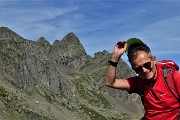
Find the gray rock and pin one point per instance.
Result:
(62, 78)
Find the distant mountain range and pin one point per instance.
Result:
(40, 81)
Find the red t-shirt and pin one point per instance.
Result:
(159, 103)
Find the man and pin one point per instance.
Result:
(158, 101)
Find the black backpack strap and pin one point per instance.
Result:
(166, 70)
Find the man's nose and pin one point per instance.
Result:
(144, 69)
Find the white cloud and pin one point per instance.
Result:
(164, 35)
(35, 14)
(33, 22)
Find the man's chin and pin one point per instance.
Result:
(149, 76)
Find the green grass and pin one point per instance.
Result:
(83, 86)
(86, 64)
(93, 114)
(50, 97)
(18, 107)
(8, 115)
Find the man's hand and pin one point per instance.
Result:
(119, 49)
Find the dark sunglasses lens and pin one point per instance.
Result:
(138, 69)
(147, 65)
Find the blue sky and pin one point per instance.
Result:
(99, 24)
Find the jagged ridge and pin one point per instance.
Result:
(58, 78)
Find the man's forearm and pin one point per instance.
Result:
(110, 75)
(111, 72)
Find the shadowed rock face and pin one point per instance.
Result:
(69, 46)
(44, 80)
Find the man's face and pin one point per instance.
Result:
(144, 66)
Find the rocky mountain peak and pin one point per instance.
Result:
(39, 81)
(70, 45)
(6, 33)
(43, 42)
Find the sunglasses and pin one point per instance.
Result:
(140, 68)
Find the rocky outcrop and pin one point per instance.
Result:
(6, 33)
(60, 78)
(68, 46)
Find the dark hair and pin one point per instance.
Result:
(135, 48)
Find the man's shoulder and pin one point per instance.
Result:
(136, 79)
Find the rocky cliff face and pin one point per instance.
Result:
(58, 82)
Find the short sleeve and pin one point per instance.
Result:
(136, 85)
